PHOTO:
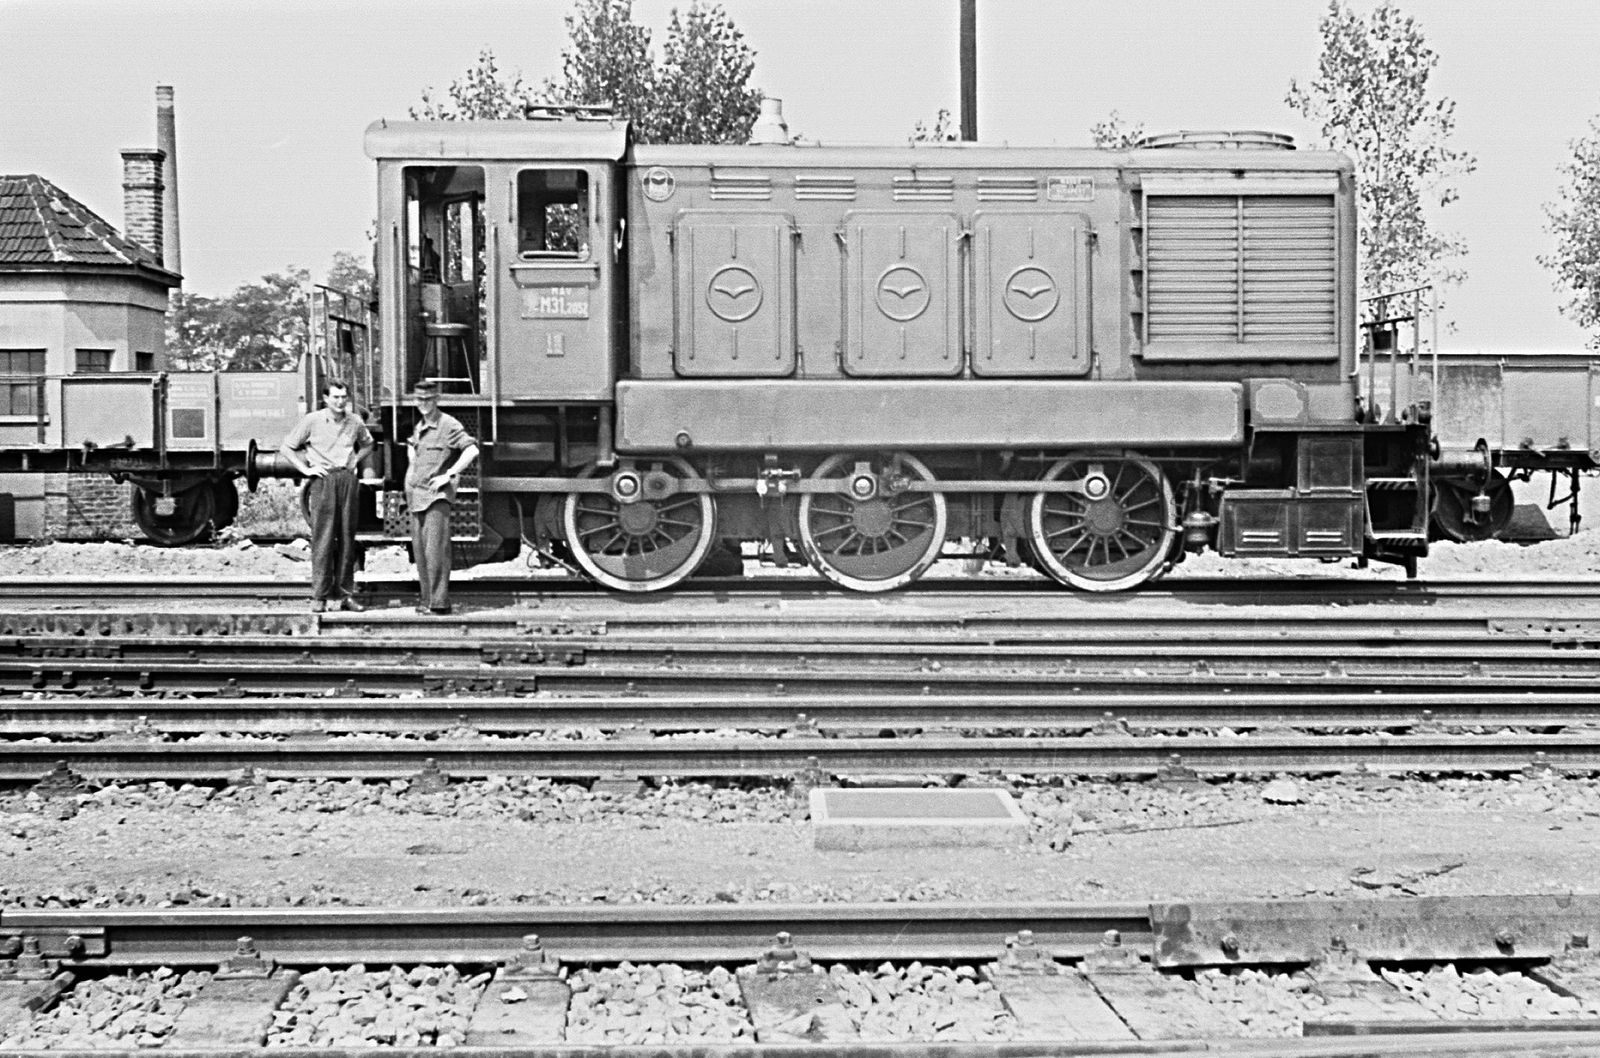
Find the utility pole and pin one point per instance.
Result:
(969, 70)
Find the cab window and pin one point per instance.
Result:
(553, 214)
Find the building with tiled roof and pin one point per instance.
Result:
(42, 228)
(76, 297)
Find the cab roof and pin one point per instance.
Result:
(510, 140)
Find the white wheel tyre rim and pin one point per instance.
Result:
(1153, 557)
(824, 563)
(691, 556)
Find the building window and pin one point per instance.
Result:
(20, 372)
(144, 361)
(93, 361)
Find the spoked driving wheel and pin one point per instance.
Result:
(876, 535)
(646, 544)
(1114, 531)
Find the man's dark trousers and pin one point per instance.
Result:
(430, 546)
(331, 501)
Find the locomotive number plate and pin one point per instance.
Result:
(1069, 189)
(555, 303)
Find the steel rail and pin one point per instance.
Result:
(996, 622)
(609, 933)
(189, 587)
(1536, 1041)
(357, 758)
(1188, 710)
(230, 676)
(798, 651)
(1186, 934)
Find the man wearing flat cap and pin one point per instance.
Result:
(440, 450)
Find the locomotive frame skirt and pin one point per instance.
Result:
(828, 416)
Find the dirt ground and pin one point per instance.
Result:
(506, 842)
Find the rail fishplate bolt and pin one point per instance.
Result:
(28, 963)
(1023, 956)
(431, 779)
(783, 958)
(1506, 941)
(1112, 955)
(532, 961)
(1230, 945)
(246, 961)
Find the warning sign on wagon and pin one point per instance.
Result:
(555, 303)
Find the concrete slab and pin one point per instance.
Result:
(881, 818)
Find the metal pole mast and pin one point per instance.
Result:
(969, 70)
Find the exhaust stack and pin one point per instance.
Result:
(770, 126)
(167, 141)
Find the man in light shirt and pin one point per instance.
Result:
(326, 446)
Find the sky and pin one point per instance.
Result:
(273, 97)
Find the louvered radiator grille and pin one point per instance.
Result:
(1240, 268)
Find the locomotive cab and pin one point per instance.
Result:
(500, 244)
(503, 247)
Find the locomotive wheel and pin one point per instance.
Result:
(875, 544)
(1110, 542)
(646, 545)
(1452, 508)
(193, 510)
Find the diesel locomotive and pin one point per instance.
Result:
(1082, 360)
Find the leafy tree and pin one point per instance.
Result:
(1115, 134)
(483, 93)
(699, 92)
(703, 92)
(1574, 219)
(261, 326)
(941, 131)
(607, 60)
(1370, 98)
(349, 274)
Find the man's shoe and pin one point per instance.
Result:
(351, 605)
(318, 605)
(439, 610)
(424, 611)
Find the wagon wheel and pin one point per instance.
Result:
(190, 518)
(226, 503)
(875, 538)
(1116, 533)
(1453, 516)
(646, 545)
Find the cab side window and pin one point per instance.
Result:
(553, 214)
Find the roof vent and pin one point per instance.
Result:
(770, 126)
(1248, 140)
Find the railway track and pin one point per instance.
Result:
(972, 682)
(1073, 979)
(812, 760)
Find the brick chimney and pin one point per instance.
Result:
(141, 197)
